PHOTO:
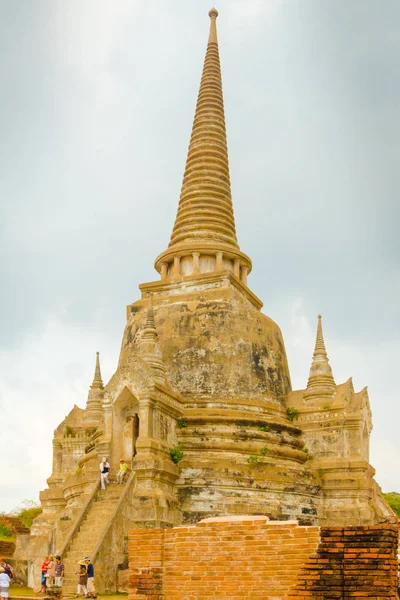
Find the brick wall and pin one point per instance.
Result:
(249, 557)
(231, 558)
(351, 562)
(7, 549)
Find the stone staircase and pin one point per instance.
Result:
(89, 534)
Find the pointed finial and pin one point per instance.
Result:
(319, 349)
(212, 38)
(97, 380)
(149, 330)
(320, 382)
(148, 344)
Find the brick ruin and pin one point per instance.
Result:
(244, 558)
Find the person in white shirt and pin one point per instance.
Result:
(4, 583)
(104, 472)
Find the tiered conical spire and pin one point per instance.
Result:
(94, 408)
(205, 208)
(205, 223)
(150, 331)
(97, 380)
(149, 348)
(320, 382)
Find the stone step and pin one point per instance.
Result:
(95, 521)
(89, 524)
(101, 507)
(80, 553)
(69, 588)
(89, 534)
(78, 544)
(94, 526)
(96, 515)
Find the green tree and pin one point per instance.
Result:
(393, 499)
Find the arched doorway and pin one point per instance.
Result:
(125, 426)
(131, 434)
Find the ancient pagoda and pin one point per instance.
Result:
(201, 405)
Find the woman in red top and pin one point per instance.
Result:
(45, 566)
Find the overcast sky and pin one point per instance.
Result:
(96, 107)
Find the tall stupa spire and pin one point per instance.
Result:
(205, 208)
(94, 410)
(320, 382)
(148, 345)
(150, 331)
(205, 225)
(97, 380)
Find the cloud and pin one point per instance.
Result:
(253, 8)
(40, 382)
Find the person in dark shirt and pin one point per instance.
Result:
(90, 583)
(59, 571)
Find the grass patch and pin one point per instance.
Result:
(20, 591)
(7, 538)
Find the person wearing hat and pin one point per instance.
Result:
(59, 570)
(104, 472)
(90, 582)
(82, 581)
(4, 583)
(123, 469)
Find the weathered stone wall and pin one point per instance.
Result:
(249, 557)
(214, 341)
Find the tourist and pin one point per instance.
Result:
(82, 580)
(123, 469)
(7, 568)
(90, 582)
(51, 572)
(104, 472)
(59, 569)
(4, 583)
(44, 573)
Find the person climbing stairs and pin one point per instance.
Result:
(89, 534)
